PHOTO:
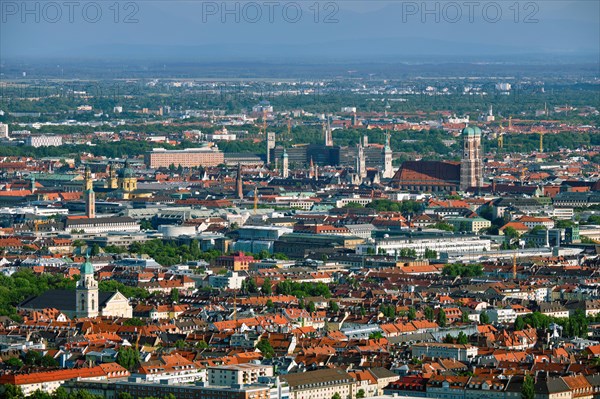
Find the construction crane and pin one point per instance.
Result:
(523, 170)
(37, 223)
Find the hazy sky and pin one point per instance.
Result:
(210, 30)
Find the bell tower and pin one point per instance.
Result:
(388, 169)
(90, 196)
(471, 166)
(86, 294)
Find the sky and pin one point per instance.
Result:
(274, 30)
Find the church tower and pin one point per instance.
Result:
(238, 182)
(327, 135)
(112, 182)
(90, 196)
(388, 169)
(471, 166)
(362, 163)
(86, 299)
(270, 146)
(285, 169)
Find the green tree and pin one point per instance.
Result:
(519, 323)
(251, 286)
(145, 224)
(336, 396)
(563, 224)
(128, 357)
(13, 392)
(33, 358)
(528, 388)
(311, 307)
(180, 344)
(442, 226)
(95, 250)
(455, 269)
(360, 394)
(14, 362)
(134, 322)
(174, 295)
(114, 249)
(333, 306)
(376, 335)
(462, 338)
(202, 344)
(412, 313)
(464, 316)
(430, 254)
(511, 233)
(48, 361)
(484, 318)
(60, 393)
(388, 311)
(441, 318)
(267, 287)
(39, 394)
(428, 312)
(353, 205)
(264, 346)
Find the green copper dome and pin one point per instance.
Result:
(86, 267)
(127, 171)
(471, 131)
(468, 131)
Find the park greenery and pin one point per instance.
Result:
(456, 269)
(169, 253)
(302, 290)
(573, 326)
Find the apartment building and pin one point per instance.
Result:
(238, 374)
(43, 141)
(188, 158)
(321, 384)
(445, 351)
